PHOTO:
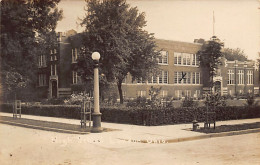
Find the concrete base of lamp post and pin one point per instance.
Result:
(96, 123)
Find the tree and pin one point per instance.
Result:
(115, 30)
(234, 54)
(210, 58)
(26, 27)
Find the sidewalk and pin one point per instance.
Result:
(130, 133)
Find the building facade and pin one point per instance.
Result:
(180, 76)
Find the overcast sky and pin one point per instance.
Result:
(237, 22)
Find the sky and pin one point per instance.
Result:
(237, 22)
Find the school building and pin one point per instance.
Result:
(181, 74)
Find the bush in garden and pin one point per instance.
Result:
(154, 93)
(189, 102)
(250, 100)
(53, 101)
(76, 99)
(214, 100)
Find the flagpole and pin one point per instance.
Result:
(213, 23)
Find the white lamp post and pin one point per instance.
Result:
(96, 115)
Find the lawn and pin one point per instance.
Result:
(228, 128)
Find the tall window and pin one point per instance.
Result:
(54, 70)
(178, 93)
(163, 77)
(240, 76)
(74, 77)
(197, 78)
(231, 77)
(153, 80)
(140, 81)
(163, 59)
(177, 58)
(42, 61)
(141, 93)
(186, 59)
(187, 93)
(74, 55)
(186, 77)
(42, 80)
(250, 78)
(163, 93)
(197, 93)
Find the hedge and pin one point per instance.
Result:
(148, 117)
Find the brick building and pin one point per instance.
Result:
(180, 75)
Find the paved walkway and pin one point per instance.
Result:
(121, 132)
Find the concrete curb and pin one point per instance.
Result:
(207, 136)
(43, 128)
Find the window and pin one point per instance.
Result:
(51, 51)
(178, 93)
(250, 77)
(185, 59)
(163, 77)
(155, 80)
(190, 78)
(193, 78)
(54, 51)
(152, 80)
(42, 80)
(197, 94)
(187, 93)
(188, 58)
(42, 61)
(140, 81)
(176, 78)
(240, 76)
(184, 78)
(163, 93)
(54, 70)
(141, 93)
(231, 79)
(193, 59)
(74, 77)
(197, 61)
(74, 55)
(163, 59)
(176, 57)
(124, 94)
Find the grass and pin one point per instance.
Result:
(228, 128)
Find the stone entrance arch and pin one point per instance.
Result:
(218, 85)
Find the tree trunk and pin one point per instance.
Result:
(119, 86)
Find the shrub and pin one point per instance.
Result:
(53, 101)
(142, 116)
(189, 102)
(214, 100)
(76, 99)
(250, 100)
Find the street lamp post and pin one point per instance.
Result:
(96, 115)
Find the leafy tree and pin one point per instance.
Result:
(26, 29)
(234, 54)
(210, 57)
(115, 30)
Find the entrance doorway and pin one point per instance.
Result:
(54, 89)
(217, 87)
